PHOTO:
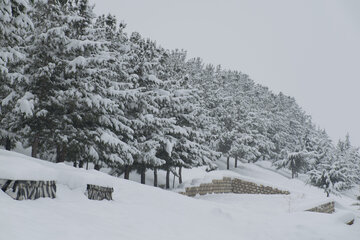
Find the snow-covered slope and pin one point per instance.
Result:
(144, 212)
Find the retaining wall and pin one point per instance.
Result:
(26, 189)
(228, 185)
(241, 186)
(324, 208)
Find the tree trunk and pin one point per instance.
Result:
(155, 177)
(236, 159)
(228, 163)
(97, 167)
(7, 144)
(292, 173)
(60, 153)
(81, 164)
(180, 175)
(167, 179)
(34, 147)
(174, 180)
(143, 170)
(75, 163)
(127, 172)
(57, 154)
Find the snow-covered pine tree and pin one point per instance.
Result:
(148, 123)
(116, 88)
(99, 128)
(185, 145)
(349, 158)
(331, 174)
(296, 161)
(14, 24)
(33, 114)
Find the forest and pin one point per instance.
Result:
(79, 88)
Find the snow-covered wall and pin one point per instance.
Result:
(324, 208)
(229, 185)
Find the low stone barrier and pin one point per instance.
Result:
(95, 192)
(324, 208)
(27, 189)
(240, 186)
(228, 185)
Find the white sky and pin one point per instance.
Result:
(308, 49)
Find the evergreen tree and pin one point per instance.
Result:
(149, 125)
(14, 24)
(185, 146)
(32, 117)
(339, 170)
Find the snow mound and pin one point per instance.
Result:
(17, 166)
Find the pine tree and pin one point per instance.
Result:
(30, 116)
(102, 132)
(337, 169)
(118, 90)
(14, 24)
(185, 145)
(149, 125)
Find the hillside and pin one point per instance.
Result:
(143, 212)
(114, 100)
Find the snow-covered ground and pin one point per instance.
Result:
(144, 212)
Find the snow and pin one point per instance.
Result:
(9, 98)
(169, 146)
(144, 212)
(26, 104)
(93, 153)
(79, 61)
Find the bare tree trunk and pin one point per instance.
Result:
(97, 167)
(180, 175)
(34, 147)
(174, 179)
(127, 172)
(57, 153)
(236, 159)
(7, 144)
(292, 173)
(155, 177)
(167, 179)
(228, 163)
(60, 153)
(143, 170)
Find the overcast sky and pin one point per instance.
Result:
(308, 49)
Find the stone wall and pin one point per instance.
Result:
(324, 208)
(26, 189)
(217, 186)
(240, 186)
(95, 192)
(228, 185)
